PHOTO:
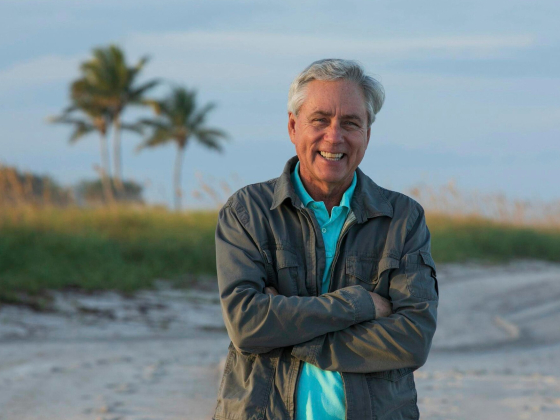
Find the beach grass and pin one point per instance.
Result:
(126, 248)
(122, 248)
(458, 238)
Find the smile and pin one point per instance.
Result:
(331, 156)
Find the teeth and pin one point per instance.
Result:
(332, 156)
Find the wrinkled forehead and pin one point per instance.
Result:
(334, 97)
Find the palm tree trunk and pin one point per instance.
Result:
(117, 160)
(105, 174)
(177, 177)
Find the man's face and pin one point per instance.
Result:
(330, 133)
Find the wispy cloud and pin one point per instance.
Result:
(223, 59)
(248, 55)
(290, 44)
(39, 71)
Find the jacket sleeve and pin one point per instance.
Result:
(257, 322)
(401, 340)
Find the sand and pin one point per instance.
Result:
(159, 354)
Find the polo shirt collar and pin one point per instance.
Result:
(368, 199)
(306, 198)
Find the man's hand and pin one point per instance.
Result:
(271, 291)
(383, 307)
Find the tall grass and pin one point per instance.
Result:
(121, 248)
(488, 227)
(458, 238)
(448, 200)
(43, 246)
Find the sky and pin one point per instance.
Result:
(472, 88)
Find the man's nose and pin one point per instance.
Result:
(334, 133)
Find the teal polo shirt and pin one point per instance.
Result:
(320, 393)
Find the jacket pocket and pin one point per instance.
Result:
(245, 387)
(393, 394)
(361, 271)
(287, 268)
(386, 264)
(420, 270)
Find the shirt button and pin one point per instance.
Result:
(324, 230)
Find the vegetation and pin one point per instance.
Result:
(90, 193)
(106, 87)
(18, 188)
(91, 118)
(118, 248)
(180, 121)
(125, 248)
(48, 242)
(108, 82)
(459, 239)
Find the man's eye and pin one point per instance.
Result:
(351, 123)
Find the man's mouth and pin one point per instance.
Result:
(331, 156)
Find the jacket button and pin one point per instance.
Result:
(324, 230)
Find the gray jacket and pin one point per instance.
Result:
(266, 237)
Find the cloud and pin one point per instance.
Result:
(255, 60)
(294, 44)
(39, 71)
(248, 57)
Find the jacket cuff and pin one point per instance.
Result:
(364, 310)
(362, 302)
(308, 351)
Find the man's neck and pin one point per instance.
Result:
(327, 193)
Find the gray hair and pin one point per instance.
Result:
(331, 69)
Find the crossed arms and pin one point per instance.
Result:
(336, 331)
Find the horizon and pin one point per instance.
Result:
(471, 90)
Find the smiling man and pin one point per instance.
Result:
(327, 284)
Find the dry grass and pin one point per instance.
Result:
(448, 201)
(48, 246)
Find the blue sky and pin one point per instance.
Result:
(472, 88)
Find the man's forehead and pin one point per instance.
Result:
(326, 95)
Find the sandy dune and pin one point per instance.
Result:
(496, 353)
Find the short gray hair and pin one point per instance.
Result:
(331, 69)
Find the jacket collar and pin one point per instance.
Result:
(368, 200)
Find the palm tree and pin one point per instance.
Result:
(179, 120)
(93, 118)
(109, 81)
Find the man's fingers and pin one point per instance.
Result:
(383, 307)
(271, 291)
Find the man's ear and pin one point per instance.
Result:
(368, 133)
(292, 127)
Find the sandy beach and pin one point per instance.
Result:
(159, 354)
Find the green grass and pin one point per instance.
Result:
(458, 239)
(123, 250)
(127, 249)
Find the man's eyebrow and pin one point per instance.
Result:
(328, 114)
(352, 117)
(321, 113)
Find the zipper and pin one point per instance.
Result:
(295, 400)
(301, 362)
(350, 221)
(266, 257)
(314, 239)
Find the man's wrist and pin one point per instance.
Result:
(364, 308)
(373, 306)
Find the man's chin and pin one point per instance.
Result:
(333, 179)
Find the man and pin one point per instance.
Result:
(327, 285)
